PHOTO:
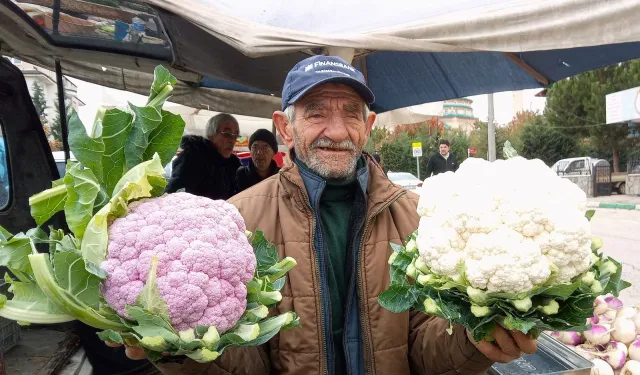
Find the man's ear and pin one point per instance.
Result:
(369, 121)
(285, 128)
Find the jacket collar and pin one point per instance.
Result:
(378, 189)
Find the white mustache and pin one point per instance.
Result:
(347, 144)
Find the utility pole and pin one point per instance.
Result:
(491, 130)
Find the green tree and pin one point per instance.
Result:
(56, 128)
(479, 139)
(577, 106)
(39, 100)
(539, 141)
(377, 138)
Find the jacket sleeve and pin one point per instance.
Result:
(180, 172)
(234, 361)
(429, 167)
(433, 351)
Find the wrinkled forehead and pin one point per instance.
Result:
(331, 94)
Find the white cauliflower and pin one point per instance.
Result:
(504, 225)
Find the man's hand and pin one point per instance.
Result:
(133, 352)
(508, 345)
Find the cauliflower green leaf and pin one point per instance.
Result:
(150, 298)
(72, 275)
(145, 121)
(164, 137)
(86, 149)
(116, 125)
(48, 202)
(82, 190)
(162, 86)
(555, 307)
(266, 253)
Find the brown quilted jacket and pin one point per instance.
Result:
(405, 343)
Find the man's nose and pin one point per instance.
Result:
(336, 130)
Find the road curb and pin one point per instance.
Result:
(615, 206)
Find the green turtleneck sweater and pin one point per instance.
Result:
(335, 216)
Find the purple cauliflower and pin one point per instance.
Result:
(204, 259)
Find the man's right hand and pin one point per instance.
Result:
(133, 352)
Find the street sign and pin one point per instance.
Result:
(417, 149)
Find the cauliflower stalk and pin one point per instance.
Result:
(506, 242)
(169, 273)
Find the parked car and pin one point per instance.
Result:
(58, 157)
(584, 166)
(406, 180)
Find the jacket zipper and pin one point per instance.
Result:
(368, 357)
(324, 361)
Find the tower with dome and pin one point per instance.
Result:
(458, 114)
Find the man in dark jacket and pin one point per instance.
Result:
(443, 161)
(263, 146)
(207, 166)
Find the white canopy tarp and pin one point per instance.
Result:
(269, 27)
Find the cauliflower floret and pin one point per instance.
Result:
(204, 259)
(504, 224)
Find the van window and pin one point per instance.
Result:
(5, 186)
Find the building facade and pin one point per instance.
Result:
(47, 80)
(458, 114)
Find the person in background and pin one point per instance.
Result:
(263, 146)
(207, 166)
(442, 161)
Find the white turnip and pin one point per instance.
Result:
(630, 368)
(610, 314)
(598, 334)
(570, 338)
(624, 330)
(626, 312)
(634, 350)
(600, 306)
(601, 367)
(636, 321)
(586, 351)
(615, 355)
(613, 303)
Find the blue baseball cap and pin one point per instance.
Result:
(317, 70)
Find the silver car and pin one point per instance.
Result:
(406, 180)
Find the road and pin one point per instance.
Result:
(620, 231)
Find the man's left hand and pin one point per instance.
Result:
(508, 345)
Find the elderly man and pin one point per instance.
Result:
(332, 208)
(207, 166)
(263, 146)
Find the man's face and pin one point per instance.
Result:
(225, 139)
(444, 149)
(329, 131)
(261, 154)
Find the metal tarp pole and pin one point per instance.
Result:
(62, 108)
(491, 130)
(56, 16)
